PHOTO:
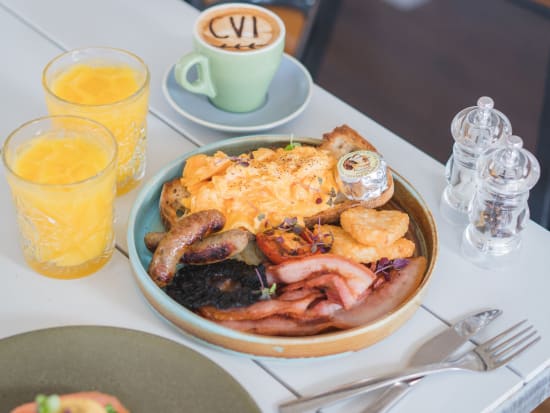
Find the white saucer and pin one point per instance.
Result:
(287, 97)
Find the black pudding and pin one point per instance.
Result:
(225, 284)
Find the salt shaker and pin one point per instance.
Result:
(474, 129)
(499, 211)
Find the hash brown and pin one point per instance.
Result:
(372, 227)
(345, 245)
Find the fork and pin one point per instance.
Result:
(490, 355)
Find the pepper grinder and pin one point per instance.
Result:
(474, 129)
(499, 211)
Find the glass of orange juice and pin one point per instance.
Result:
(62, 174)
(110, 86)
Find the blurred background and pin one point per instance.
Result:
(411, 65)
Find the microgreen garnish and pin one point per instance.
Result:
(48, 404)
(288, 223)
(242, 161)
(260, 217)
(332, 195)
(291, 225)
(384, 266)
(292, 144)
(270, 291)
(321, 242)
(266, 292)
(110, 409)
(320, 180)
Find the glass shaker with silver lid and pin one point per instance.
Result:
(499, 211)
(474, 129)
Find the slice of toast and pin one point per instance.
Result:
(170, 207)
(344, 139)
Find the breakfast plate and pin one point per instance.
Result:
(287, 97)
(147, 373)
(144, 218)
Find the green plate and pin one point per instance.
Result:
(144, 217)
(147, 373)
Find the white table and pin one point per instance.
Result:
(34, 31)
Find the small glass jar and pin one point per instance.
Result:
(499, 211)
(362, 175)
(475, 130)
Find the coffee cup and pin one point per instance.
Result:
(237, 50)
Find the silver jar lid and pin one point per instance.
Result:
(361, 175)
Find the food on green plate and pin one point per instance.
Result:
(83, 402)
(313, 257)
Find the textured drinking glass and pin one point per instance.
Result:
(62, 174)
(110, 86)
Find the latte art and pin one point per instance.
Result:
(239, 29)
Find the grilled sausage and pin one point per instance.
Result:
(217, 247)
(214, 248)
(184, 232)
(152, 240)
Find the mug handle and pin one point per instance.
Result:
(203, 84)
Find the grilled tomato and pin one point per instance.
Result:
(283, 244)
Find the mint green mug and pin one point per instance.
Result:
(237, 50)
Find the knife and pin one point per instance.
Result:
(435, 350)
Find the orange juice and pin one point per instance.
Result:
(91, 85)
(110, 91)
(64, 188)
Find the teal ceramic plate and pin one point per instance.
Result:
(146, 372)
(144, 217)
(287, 97)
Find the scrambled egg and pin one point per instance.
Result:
(260, 189)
